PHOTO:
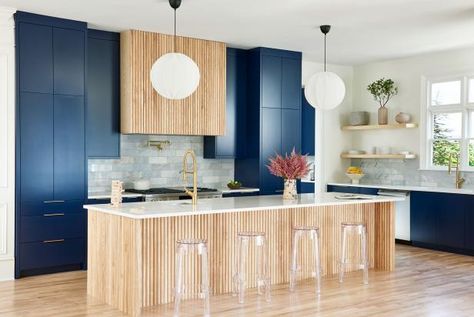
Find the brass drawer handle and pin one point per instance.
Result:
(53, 201)
(53, 241)
(59, 214)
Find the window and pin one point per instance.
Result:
(448, 116)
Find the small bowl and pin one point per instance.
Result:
(355, 178)
(234, 186)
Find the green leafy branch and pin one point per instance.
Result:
(383, 90)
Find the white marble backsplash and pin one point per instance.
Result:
(406, 172)
(161, 168)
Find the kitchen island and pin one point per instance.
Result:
(131, 248)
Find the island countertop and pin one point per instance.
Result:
(160, 209)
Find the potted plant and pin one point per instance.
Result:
(290, 168)
(383, 90)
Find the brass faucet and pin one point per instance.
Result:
(459, 179)
(193, 193)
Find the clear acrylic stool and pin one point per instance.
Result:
(184, 247)
(360, 229)
(261, 262)
(313, 234)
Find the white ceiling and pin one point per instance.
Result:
(363, 30)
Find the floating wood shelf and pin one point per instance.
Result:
(379, 127)
(379, 156)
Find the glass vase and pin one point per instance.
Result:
(290, 192)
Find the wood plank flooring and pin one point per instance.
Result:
(424, 283)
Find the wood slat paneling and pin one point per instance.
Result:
(144, 111)
(113, 237)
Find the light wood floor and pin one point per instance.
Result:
(425, 283)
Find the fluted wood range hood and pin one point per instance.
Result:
(144, 111)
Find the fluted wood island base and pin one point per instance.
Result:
(131, 250)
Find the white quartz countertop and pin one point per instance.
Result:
(144, 210)
(410, 188)
(240, 190)
(106, 195)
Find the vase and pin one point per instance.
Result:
(383, 115)
(403, 117)
(290, 192)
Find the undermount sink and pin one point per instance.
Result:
(353, 197)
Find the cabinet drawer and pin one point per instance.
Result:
(40, 208)
(52, 226)
(50, 254)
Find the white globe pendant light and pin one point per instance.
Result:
(325, 90)
(175, 75)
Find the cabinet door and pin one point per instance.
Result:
(308, 127)
(36, 146)
(35, 53)
(291, 131)
(469, 224)
(451, 212)
(69, 61)
(271, 144)
(291, 83)
(271, 81)
(103, 98)
(69, 154)
(423, 217)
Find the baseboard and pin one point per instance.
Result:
(400, 241)
(7, 269)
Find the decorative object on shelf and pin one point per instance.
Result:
(382, 150)
(325, 90)
(359, 118)
(355, 174)
(141, 184)
(160, 145)
(234, 184)
(116, 193)
(383, 90)
(403, 117)
(380, 127)
(175, 75)
(291, 167)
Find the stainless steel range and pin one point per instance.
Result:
(175, 193)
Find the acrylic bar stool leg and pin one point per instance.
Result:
(205, 279)
(342, 266)
(179, 287)
(361, 230)
(365, 261)
(294, 259)
(317, 265)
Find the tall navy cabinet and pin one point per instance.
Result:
(308, 130)
(232, 144)
(50, 146)
(273, 115)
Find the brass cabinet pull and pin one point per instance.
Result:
(53, 201)
(58, 214)
(53, 241)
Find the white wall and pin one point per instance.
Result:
(406, 73)
(331, 167)
(7, 143)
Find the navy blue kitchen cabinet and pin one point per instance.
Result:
(50, 146)
(232, 144)
(469, 226)
(273, 115)
(308, 127)
(103, 94)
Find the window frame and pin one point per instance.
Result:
(427, 116)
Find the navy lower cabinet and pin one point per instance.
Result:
(103, 94)
(441, 221)
(273, 115)
(232, 144)
(50, 147)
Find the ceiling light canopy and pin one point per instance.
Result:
(325, 90)
(175, 75)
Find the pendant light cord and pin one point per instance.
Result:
(174, 36)
(324, 52)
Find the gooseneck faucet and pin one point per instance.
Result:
(193, 193)
(459, 179)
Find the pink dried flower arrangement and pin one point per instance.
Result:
(294, 166)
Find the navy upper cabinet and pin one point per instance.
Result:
(291, 83)
(308, 127)
(232, 144)
(36, 146)
(103, 94)
(271, 81)
(50, 160)
(273, 115)
(35, 56)
(69, 61)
